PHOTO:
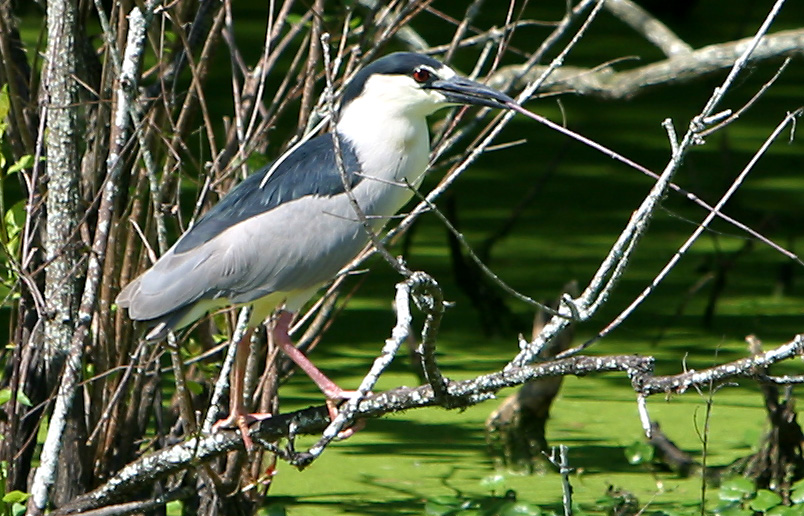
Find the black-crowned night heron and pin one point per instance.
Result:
(286, 230)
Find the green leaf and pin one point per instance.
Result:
(737, 511)
(495, 482)
(24, 162)
(797, 496)
(781, 510)
(293, 19)
(797, 492)
(730, 495)
(5, 103)
(639, 452)
(736, 488)
(795, 510)
(15, 497)
(15, 220)
(725, 506)
(195, 387)
(22, 399)
(765, 500)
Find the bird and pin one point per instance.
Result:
(286, 230)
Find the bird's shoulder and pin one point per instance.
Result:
(311, 169)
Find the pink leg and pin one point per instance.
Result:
(282, 339)
(238, 416)
(327, 386)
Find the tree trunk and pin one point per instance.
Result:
(62, 452)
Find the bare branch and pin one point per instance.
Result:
(649, 27)
(610, 84)
(738, 181)
(464, 393)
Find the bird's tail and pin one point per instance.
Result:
(158, 327)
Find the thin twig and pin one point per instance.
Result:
(559, 458)
(703, 226)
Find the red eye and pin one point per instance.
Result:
(421, 75)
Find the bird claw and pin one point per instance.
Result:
(346, 433)
(332, 407)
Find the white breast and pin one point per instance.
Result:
(393, 148)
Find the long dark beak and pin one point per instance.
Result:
(460, 90)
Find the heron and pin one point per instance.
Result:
(285, 231)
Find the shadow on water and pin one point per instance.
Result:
(420, 439)
(347, 503)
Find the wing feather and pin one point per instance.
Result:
(258, 240)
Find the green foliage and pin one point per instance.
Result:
(5, 397)
(23, 163)
(12, 503)
(195, 387)
(14, 221)
(797, 492)
(481, 506)
(14, 217)
(15, 496)
(736, 489)
(765, 500)
(739, 496)
(5, 105)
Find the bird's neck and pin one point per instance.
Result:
(391, 144)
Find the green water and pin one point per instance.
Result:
(396, 464)
(404, 459)
(581, 202)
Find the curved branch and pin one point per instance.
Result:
(607, 83)
(639, 369)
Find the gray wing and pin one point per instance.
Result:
(293, 233)
(309, 170)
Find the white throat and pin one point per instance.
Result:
(391, 139)
(387, 125)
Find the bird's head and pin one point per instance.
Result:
(414, 85)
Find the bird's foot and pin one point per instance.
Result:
(242, 422)
(334, 399)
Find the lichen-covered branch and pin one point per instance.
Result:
(639, 370)
(59, 101)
